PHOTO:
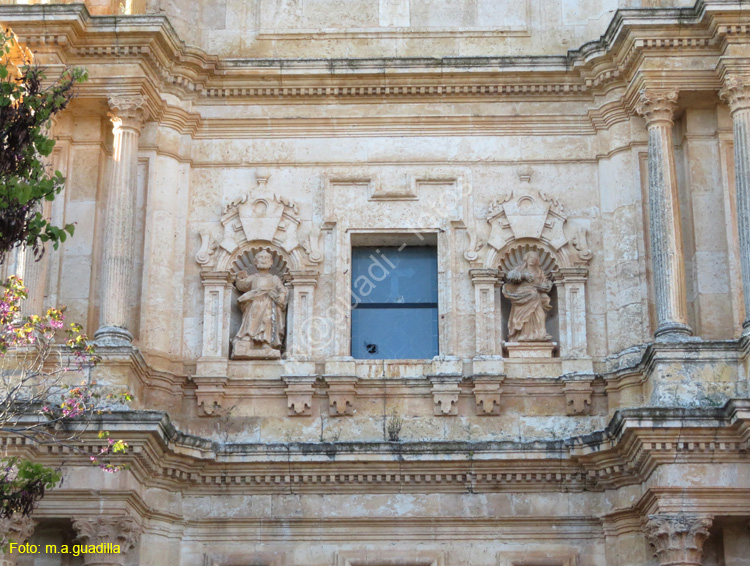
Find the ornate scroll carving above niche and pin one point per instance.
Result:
(261, 216)
(523, 242)
(527, 214)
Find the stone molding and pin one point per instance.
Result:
(678, 538)
(390, 557)
(626, 452)
(736, 92)
(191, 71)
(657, 105)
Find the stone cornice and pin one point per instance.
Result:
(151, 43)
(626, 452)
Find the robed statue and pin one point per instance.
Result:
(263, 305)
(528, 289)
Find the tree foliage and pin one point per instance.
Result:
(27, 103)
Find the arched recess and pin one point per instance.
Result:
(243, 259)
(512, 256)
(567, 320)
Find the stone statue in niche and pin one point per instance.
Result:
(527, 289)
(263, 304)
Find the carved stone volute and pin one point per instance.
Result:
(678, 538)
(123, 531)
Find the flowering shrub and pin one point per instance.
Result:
(37, 400)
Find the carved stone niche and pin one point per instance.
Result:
(522, 222)
(258, 221)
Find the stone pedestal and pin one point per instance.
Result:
(246, 350)
(107, 531)
(530, 349)
(736, 92)
(678, 538)
(658, 107)
(128, 115)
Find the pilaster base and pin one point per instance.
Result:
(675, 332)
(113, 336)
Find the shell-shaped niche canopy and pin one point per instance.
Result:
(246, 262)
(513, 257)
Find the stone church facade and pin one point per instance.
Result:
(405, 282)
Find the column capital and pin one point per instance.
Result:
(736, 92)
(17, 528)
(484, 276)
(122, 530)
(678, 537)
(128, 111)
(657, 105)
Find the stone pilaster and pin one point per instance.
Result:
(485, 281)
(15, 529)
(678, 538)
(736, 93)
(128, 115)
(122, 531)
(301, 339)
(658, 108)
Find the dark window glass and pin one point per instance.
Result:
(394, 303)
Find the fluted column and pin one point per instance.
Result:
(109, 534)
(16, 529)
(658, 107)
(736, 92)
(678, 538)
(128, 115)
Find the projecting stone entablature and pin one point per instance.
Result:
(594, 69)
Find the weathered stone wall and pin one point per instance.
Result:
(612, 145)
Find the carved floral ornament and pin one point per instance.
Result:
(265, 218)
(527, 219)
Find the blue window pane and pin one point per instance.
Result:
(387, 275)
(394, 333)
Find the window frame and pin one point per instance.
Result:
(396, 238)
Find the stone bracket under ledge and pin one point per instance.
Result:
(299, 393)
(341, 394)
(487, 396)
(445, 393)
(530, 349)
(210, 395)
(578, 390)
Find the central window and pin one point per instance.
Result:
(394, 302)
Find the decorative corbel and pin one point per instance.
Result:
(210, 395)
(487, 396)
(341, 394)
(299, 393)
(578, 395)
(445, 393)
